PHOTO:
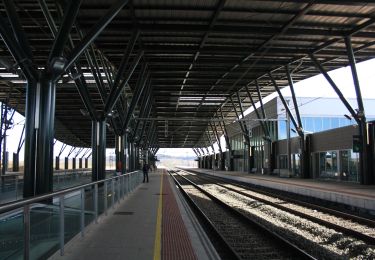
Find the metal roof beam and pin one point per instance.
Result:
(94, 32)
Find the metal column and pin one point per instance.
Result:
(365, 174)
(98, 144)
(39, 135)
(123, 145)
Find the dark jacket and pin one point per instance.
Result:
(145, 168)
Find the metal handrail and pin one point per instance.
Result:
(25, 204)
(20, 203)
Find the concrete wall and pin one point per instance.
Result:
(335, 139)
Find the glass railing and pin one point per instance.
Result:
(11, 186)
(36, 228)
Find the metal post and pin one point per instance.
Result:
(288, 143)
(105, 198)
(98, 144)
(118, 182)
(113, 193)
(365, 174)
(4, 137)
(39, 135)
(26, 232)
(96, 203)
(123, 154)
(122, 186)
(305, 172)
(82, 212)
(16, 165)
(16, 184)
(57, 163)
(62, 225)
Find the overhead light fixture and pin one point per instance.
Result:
(57, 65)
(75, 76)
(84, 112)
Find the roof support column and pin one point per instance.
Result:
(265, 128)
(213, 150)
(120, 153)
(39, 135)
(360, 117)
(261, 104)
(304, 159)
(365, 173)
(229, 159)
(334, 86)
(290, 117)
(141, 83)
(246, 135)
(98, 144)
(131, 156)
(123, 154)
(16, 155)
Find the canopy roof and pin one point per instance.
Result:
(198, 55)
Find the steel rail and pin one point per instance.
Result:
(208, 223)
(300, 252)
(364, 237)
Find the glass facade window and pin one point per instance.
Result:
(296, 164)
(282, 129)
(283, 161)
(337, 165)
(313, 125)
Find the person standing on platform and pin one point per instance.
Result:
(145, 169)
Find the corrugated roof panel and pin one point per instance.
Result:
(176, 3)
(258, 18)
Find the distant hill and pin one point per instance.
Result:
(170, 161)
(179, 157)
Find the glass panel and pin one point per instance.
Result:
(322, 163)
(335, 123)
(296, 164)
(72, 214)
(11, 235)
(89, 205)
(334, 161)
(44, 229)
(353, 165)
(326, 123)
(344, 158)
(317, 124)
(309, 124)
(328, 165)
(9, 189)
(109, 194)
(282, 130)
(283, 161)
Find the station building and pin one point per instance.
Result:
(329, 133)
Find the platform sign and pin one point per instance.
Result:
(357, 143)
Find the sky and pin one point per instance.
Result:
(315, 86)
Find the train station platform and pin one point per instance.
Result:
(154, 222)
(361, 197)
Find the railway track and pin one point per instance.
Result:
(242, 237)
(352, 225)
(322, 233)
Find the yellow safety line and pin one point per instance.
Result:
(157, 244)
